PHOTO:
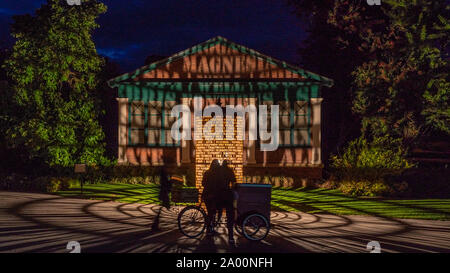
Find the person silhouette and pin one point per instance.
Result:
(165, 187)
(209, 183)
(218, 195)
(229, 174)
(228, 197)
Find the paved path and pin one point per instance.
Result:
(46, 223)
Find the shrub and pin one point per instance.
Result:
(15, 182)
(364, 167)
(46, 184)
(129, 174)
(365, 188)
(126, 174)
(55, 184)
(190, 177)
(326, 184)
(429, 183)
(185, 195)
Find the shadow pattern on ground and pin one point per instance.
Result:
(46, 223)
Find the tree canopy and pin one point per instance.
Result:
(389, 61)
(53, 67)
(403, 88)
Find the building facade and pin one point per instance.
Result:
(221, 73)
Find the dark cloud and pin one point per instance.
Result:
(133, 29)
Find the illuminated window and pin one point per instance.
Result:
(284, 123)
(167, 122)
(294, 123)
(150, 123)
(137, 124)
(301, 124)
(155, 115)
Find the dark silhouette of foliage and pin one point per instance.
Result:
(108, 101)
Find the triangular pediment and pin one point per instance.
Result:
(218, 59)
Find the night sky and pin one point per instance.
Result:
(131, 30)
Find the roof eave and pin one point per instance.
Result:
(323, 80)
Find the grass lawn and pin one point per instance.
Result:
(305, 200)
(126, 193)
(333, 201)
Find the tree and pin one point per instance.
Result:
(332, 48)
(388, 61)
(403, 88)
(4, 53)
(53, 68)
(6, 94)
(108, 99)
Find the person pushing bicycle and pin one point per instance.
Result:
(218, 182)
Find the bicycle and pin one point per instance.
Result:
(252, 217)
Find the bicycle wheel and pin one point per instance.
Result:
(192, 221)
(255, 227)
(238, 229)
(218, 218)
(238, 223)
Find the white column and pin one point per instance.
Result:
(316, 104)
(186, 144)
(123, 128)
(251, 143)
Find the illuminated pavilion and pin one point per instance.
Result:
(222, 72)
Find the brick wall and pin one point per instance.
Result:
(208, 150)
(153, 155)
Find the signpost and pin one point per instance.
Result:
(81, 169)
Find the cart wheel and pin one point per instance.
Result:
(192, 221)
(255, 227)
